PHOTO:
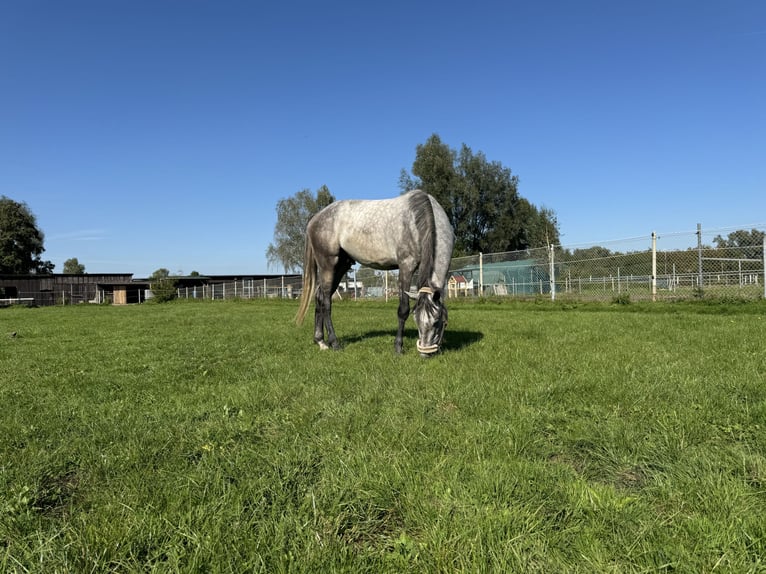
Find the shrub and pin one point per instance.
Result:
(163, 289)
(622, 299)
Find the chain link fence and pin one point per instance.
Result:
(672, 266)
(283, 287)
(724, 263)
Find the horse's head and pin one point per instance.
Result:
(431, 318)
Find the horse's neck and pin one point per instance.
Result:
(441, 267)
(426, 220)
(444, 240)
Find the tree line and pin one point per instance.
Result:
(481, 198)
(489, 215)
(739, 250)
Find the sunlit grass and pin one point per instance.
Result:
(217, 437)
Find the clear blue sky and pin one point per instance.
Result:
(147, 134)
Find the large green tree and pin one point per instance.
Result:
(481, 199)
(293, 214)
(21, 241)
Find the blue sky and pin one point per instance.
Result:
(160, 133)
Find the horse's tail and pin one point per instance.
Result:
(424, 214)
(309, 281)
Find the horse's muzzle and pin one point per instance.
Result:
(427, 350)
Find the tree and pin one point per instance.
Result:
(162, 285)
(293, 214)
(73, 267)
(21, 242)
(481, 200)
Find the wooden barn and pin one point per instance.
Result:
(65, 289)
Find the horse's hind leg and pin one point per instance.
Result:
(329, 282)
(321, 309)
(342, 265)
(332, 339)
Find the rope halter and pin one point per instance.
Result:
(427, 349)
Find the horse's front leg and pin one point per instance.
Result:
(403, 312)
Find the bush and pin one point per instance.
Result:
(622, 299)
(163, 289)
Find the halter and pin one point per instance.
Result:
(427, 349)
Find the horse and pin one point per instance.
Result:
(410, 233)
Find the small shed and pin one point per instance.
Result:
(458, 285)
(121, 293)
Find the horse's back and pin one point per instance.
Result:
(374, 231)
(377, 233)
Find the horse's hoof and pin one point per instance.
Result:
(323, 346)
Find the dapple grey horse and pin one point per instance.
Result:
(410, 232)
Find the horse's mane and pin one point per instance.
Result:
(420, 204)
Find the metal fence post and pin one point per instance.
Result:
(654, 266)
(699, 257)
(481, 274)
(552, 272)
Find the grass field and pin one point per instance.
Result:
(216, 437)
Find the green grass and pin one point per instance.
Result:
(216, 437)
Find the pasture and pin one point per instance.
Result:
(217, 437)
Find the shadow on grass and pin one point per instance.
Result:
(453, 340)
(457, 340)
